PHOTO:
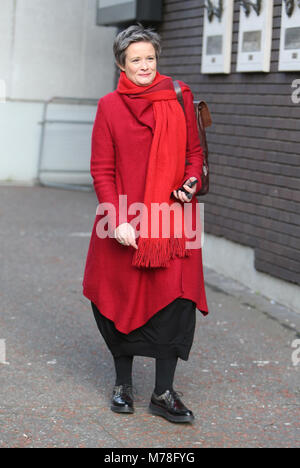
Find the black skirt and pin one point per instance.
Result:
(169, 333)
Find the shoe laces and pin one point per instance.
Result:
(171, 395)
(127, 387)
(177, 393)
(132, 388)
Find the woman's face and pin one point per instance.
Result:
(140, 63)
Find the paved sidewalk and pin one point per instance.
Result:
(55, 390)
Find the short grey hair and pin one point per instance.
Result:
(135, 33)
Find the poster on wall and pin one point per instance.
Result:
(289, 53)
(217, 36)
(255, 36)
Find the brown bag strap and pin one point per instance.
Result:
(202, 106)
(178, 90)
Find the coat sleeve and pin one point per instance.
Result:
(194, 151)
(103, 165)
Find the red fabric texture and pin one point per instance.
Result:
(121, 143)
(165, 171)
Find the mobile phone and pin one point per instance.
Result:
(190, 184)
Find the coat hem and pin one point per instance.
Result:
(182, 295)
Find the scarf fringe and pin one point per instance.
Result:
(158, 252)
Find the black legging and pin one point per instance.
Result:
(164, 372)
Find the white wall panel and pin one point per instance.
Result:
(19, 140)
(48, 48)
(58, 50)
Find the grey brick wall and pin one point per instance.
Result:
(254, 142)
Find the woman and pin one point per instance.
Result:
(143, 288)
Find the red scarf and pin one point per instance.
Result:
(165, 172)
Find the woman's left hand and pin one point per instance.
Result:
(181, 195)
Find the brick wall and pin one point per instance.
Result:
(254, 142)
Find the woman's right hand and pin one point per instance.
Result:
(125, 234)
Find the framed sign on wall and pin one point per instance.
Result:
(217, 36)
(289, 54)
(255, 36)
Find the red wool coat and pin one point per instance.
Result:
(121, 142)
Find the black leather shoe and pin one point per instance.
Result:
(169, 406)
(122, 399)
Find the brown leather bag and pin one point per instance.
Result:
(204, 120)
